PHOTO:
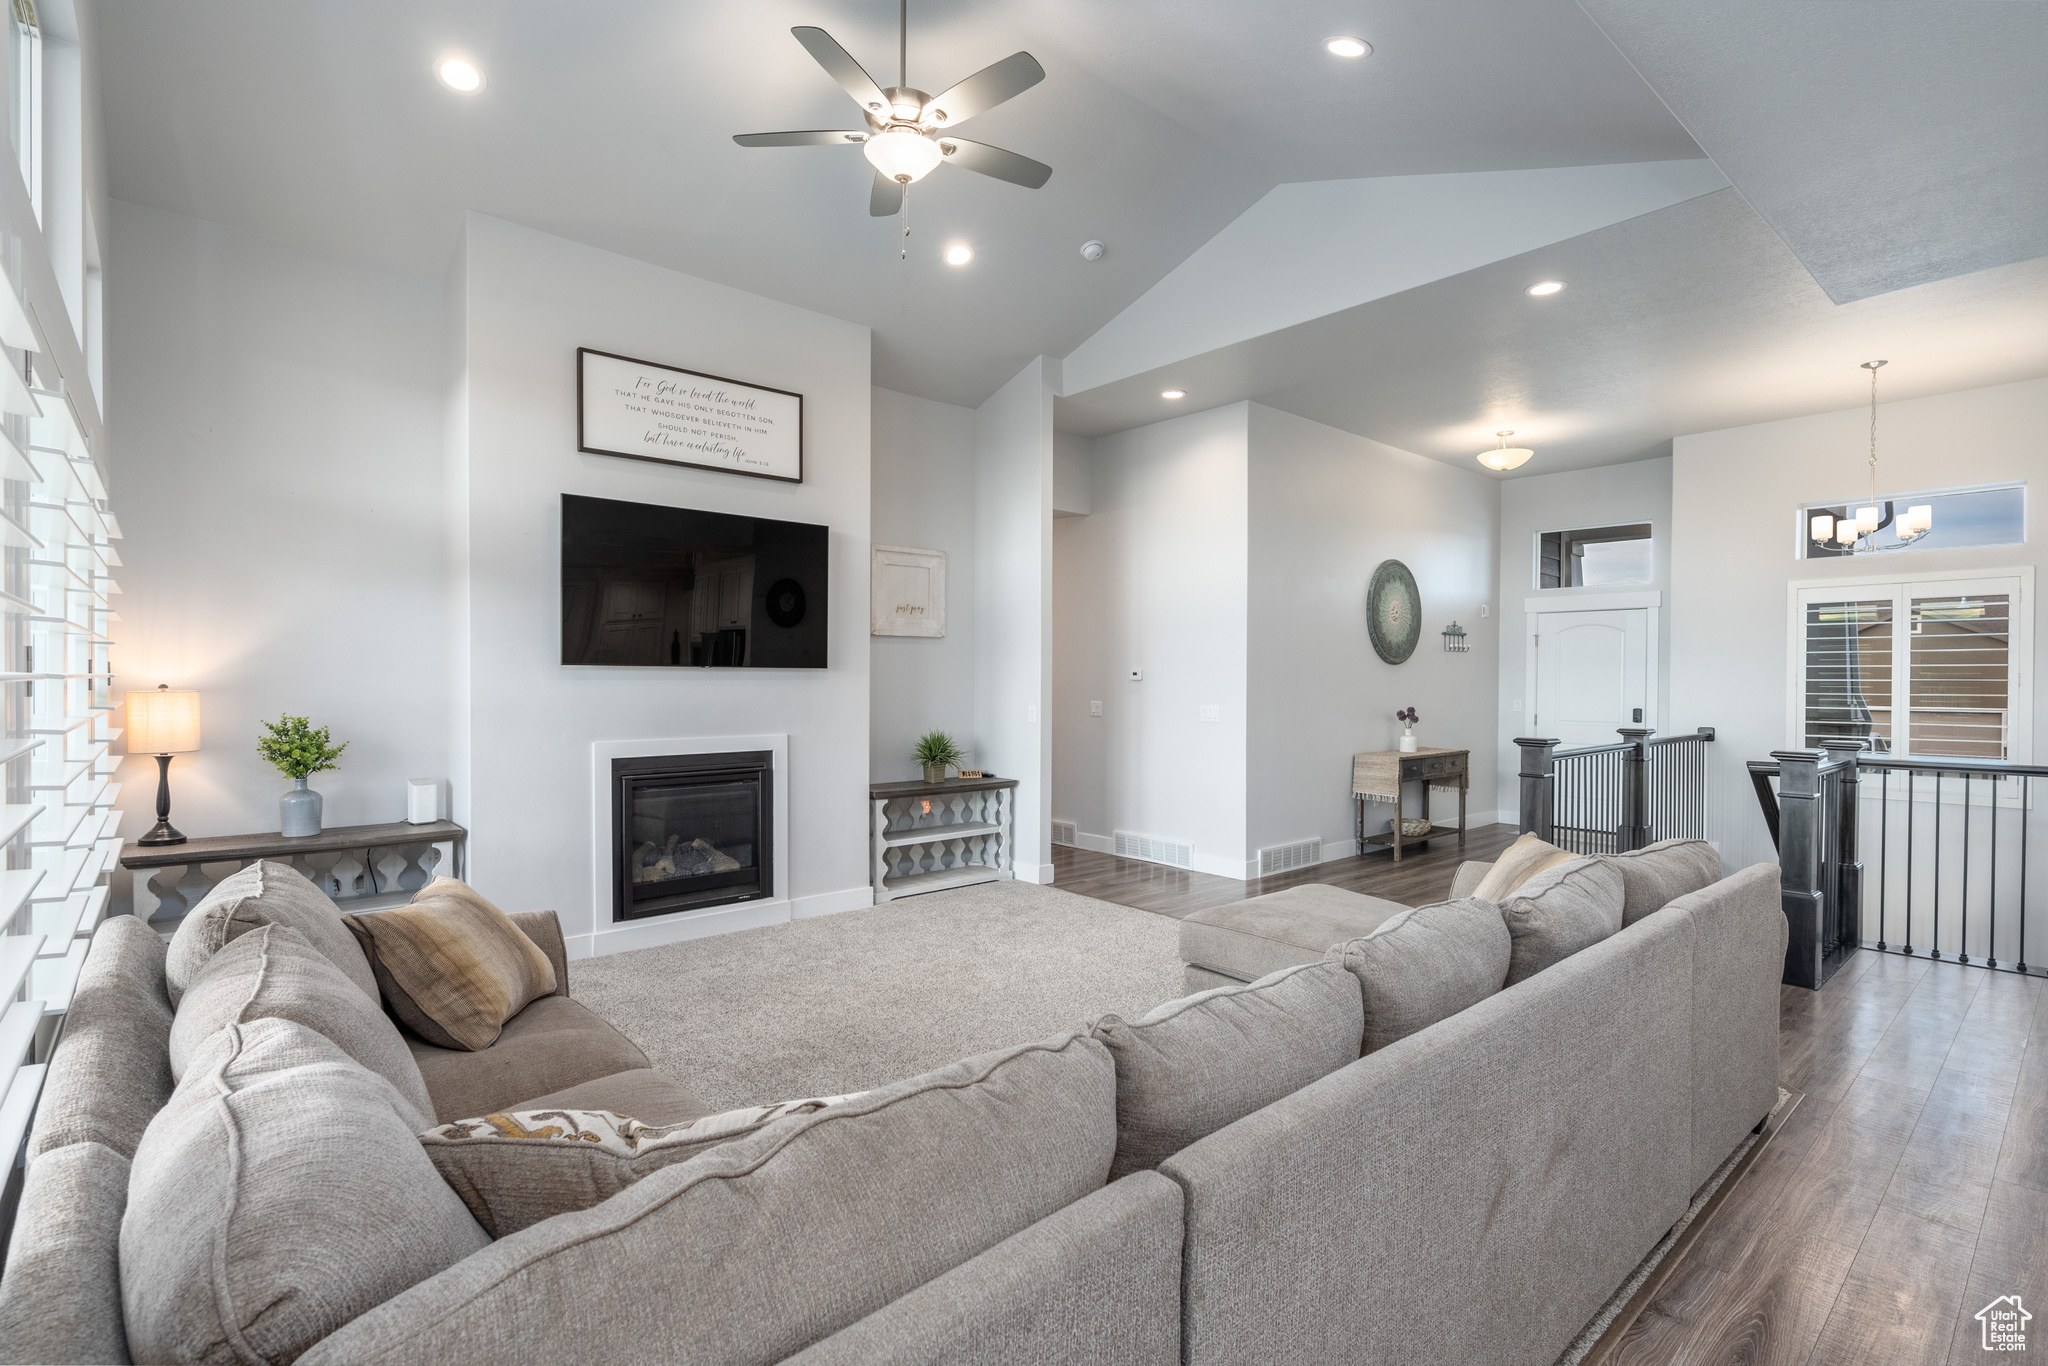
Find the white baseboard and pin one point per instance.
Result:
(1248, 871)
(831, 903)
(1101, 844)
(1042, 874)
(673, 929)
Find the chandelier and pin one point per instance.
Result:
(1850, 535)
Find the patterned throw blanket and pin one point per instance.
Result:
(1377, 777)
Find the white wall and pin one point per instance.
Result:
(1326, 508)
(1013, 589)
(923, 481)
(1073, 475)
(530, 300)
(1615, 495)
(1734, 493)
(1155, 578)
(276, 466)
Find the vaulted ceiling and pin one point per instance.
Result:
(611, 122)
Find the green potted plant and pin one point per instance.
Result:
(936, 751)
(298, 750)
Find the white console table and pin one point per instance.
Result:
(926, 837)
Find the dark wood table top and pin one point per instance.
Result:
(226, 848)
(877, 791)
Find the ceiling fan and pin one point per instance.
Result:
(908, 132)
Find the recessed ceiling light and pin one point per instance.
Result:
(1348, 47)
(959, 256)
(1547, 287)
(1173, 393)
(459, 75)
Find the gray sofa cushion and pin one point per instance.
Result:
(1189, 1067)
(60, 1296)
(779, 1240)
(264, 893)
(1248, 939)
(1560, 911)
(281, 1193)
(1739, 929)
(1426, 965)
(553, 1044)
(111, 1072)
(642, 1093)
(1469, 875)
(1658, 874)
(273, 972)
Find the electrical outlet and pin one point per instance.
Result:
(1031, 714)
(1211, 712)
(1518, 704)
(1484, 611)
(1137, 675)
(1095, 709)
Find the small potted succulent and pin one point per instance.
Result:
(936, 752)
(297, 749)
(1407, 718)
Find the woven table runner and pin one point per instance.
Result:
(1377, 776)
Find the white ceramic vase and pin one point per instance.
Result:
(1408, 740)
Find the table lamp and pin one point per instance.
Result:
(163, 723)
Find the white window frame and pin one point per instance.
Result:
(2019, 581)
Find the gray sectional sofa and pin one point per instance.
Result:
(1222, 1181)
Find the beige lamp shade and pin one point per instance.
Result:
(163, 722)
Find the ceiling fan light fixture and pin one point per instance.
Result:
(1505, 457)
(902, 154)
(1347, 47)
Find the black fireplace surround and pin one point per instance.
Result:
(691, 831)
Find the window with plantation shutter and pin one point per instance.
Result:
(1926, 667)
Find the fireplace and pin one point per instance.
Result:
(691, 831)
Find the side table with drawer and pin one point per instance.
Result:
(1384, 775)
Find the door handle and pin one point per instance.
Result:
(1639, 715)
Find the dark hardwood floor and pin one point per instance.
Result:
(1422, 876)
(1907, 1190)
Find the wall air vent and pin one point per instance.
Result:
(1063, 833)
(1154, 850)
(1283, 858)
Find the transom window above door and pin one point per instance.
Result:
(1922, 668)
(1594, 557)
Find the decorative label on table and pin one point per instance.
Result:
(646, 411)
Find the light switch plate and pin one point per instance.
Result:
(1095, 709)
(1031, 714)
(1211, 712)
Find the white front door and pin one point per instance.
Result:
(1592, 675)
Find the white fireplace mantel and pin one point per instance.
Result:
(613, 936)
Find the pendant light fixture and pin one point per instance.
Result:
(1506, 457)
(1857, 530)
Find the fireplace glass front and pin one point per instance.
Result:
(691, 831)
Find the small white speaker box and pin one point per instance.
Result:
(422, 801)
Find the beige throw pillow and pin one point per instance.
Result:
(514, 1170)
(453, 967)
(1519, 862)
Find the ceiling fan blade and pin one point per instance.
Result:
(986, 89)
(817, 137)
(994, 161)
(885, 199)
(841, 67)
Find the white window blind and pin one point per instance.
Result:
(1930, 667)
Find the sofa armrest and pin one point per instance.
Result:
(1467, 877)
(545, 930)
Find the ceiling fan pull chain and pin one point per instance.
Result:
(903, 251)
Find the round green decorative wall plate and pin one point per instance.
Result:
(1393, 611)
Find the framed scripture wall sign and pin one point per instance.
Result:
(907, 592)
(646, 411)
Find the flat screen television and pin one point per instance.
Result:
(674, 588)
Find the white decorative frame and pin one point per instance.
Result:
(907, 592)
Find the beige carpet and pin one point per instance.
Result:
(846, 1002)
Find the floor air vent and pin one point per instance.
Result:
(1154, 850)
(1063, 833)
(1283, 857)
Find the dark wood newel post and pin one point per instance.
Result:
(1800, 814)
(1539, 767)
(1635, 788)
(1848, 869)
